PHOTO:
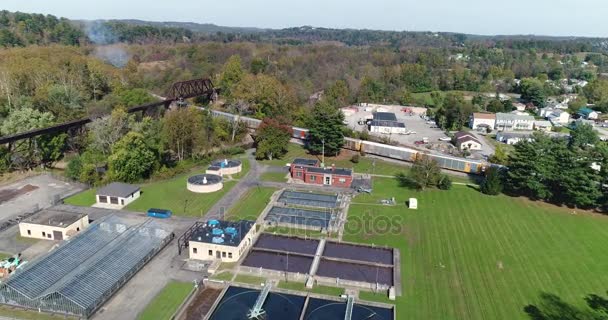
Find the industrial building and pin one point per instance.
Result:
(80, 275)
(221, 240)
(53, 224)
(309, 171)
(386, 122)
(116, 195)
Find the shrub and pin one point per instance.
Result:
(354, 158)
(445, 183)
(492, 184)
(74, 168)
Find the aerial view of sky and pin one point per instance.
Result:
(489, 17)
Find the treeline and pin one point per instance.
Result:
(572, 172)
(122, 147)
(22, 29)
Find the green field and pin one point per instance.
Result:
(166, 303)
(469, 256)
(84, 199)
(7, 311)
(299, 286)
(243, 278)
(251, 204)
(224, 276)
(274, 176)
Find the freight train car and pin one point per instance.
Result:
(379, 149)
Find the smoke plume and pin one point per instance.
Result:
(107, 47)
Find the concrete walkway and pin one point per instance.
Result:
(219, 210)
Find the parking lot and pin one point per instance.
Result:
(415, 123)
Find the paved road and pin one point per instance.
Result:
(229, 199)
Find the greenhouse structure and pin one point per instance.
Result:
(80, 275)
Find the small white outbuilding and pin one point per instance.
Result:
(413, 203)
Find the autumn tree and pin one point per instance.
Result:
(272, 138)
(182, 131)
(232, 73)
(105, 132)
(265, 96)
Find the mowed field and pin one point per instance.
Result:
(166, 303)
(466, 255)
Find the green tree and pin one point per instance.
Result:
(105, 132)
(455, 112)
(131, 159)
(492, 182)
(272, 139)
(232, 73)
(597, 90)
(326, 126)
(337, 94)
(533, 90)
(495, 106)
(371, 90)
(582, 136)
(500, 156)
(425, 173)
(445, 182)
(74, 168)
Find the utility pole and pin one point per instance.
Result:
(323, 154)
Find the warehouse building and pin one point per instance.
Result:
(53, 224)
(386, 123)
(220, 240)
(80, 275)
(117, 195)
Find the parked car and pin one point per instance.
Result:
(419, 142)
(445, 139)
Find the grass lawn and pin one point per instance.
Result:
(375, 296)
(9, 312)
(4, 256)
(165, 304)
(224, 276)
(251, 204)
(84, 199)
(274, 176)
(172, 194)
(465, 255)
(299, 286)
(243, 278)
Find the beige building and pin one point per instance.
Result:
(221, 240)
(53, 224)
(116, 195)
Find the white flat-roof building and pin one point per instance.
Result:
(386, 123)
(116, 195)
(482, 120)
(220, 240)
(511, 122)
(52, 224)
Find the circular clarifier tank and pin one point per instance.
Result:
(205, 183)
(227, 166)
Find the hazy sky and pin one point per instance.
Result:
(546, 17)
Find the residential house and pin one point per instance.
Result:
(543, 125)
(555, 115)
(482, 120)
(511, 122)
(588, 114)
(513, 137)
(466, 141)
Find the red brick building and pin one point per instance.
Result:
(309, 171)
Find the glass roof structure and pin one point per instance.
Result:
(81, 274)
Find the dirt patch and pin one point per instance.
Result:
(8, 194)
(201, 304)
